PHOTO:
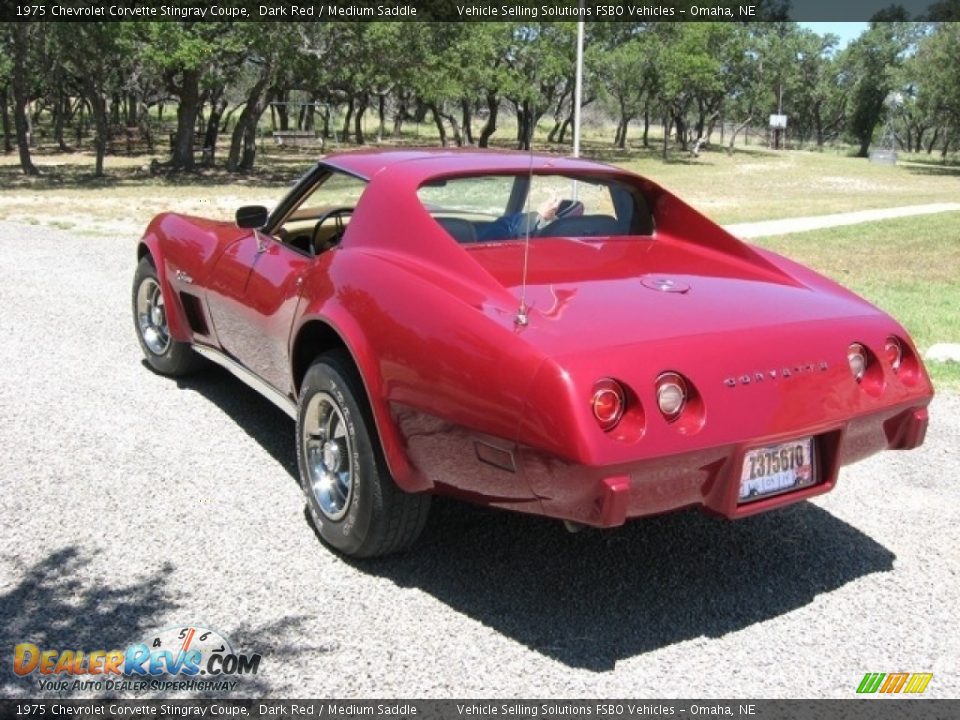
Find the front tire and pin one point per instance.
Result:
(353, 501)
(164, 354)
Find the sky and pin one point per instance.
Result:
(847, 31)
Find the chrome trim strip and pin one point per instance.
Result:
(248, 378)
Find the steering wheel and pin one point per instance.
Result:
(338, 214)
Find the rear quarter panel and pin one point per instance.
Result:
(426, 348)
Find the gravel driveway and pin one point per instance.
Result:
(132, 503)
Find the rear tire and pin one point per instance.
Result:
(353, 501)
(164, 354)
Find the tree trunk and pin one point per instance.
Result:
(381, 116)
(933, 140)
(467, 123)
(212, 131)
(646, 128)
(283, 111)
(358, 120)
(400, 114)
(681, 132)
(98, 107)
(554, 131)
(38, 107)
(666, 135)
(81, 128)
(243, 142)
(523, 125)
(711, 124)
(182, 151)
(736, 131)
(22, 127)
(565, 128)
(346, 121)
(21, 97)
(490, 126)
(115, 109)
(438, 119)
(622, 130)
(5, 118)
(225, 118)
(455, 129)
(60, 111)
(526, 124)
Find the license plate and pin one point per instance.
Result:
(776, 469)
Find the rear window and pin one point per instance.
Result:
(496, 208)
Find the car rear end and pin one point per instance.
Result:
(737, 422)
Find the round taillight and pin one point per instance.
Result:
(893, 352)
(857, 357)
(607, 403)
(671, 395)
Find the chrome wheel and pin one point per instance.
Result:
(327, 450)
(152, 317)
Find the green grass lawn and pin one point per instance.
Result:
(909, 267)
(762, 185)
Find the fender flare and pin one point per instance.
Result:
(406, 476)
(177, 323)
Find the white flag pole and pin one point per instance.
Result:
(578, 87)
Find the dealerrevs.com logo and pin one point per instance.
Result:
(199, 659)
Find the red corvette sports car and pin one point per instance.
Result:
(548, 335)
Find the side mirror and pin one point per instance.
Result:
(252, 216)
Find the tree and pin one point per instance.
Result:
(754, 97)
(818, 98)
(701, 65)
(271, 48)
(937, 73)
(6, 68)
(97, 55)
(871, 63)
(187, 54)
(628, 75)
(23, 42)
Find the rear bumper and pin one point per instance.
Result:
(606, 496)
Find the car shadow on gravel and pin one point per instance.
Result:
(592, 599)
(263, 421)
(63, 603)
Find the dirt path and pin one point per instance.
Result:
(816, 222)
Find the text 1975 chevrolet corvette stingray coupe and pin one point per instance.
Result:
(548, 335)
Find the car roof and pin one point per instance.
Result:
(419, 164)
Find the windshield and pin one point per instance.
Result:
(495, 208)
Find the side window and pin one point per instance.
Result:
(464, 206)
(320, 219)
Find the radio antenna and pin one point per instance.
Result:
(522, 317)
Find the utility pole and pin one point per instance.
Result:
(578, 87)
